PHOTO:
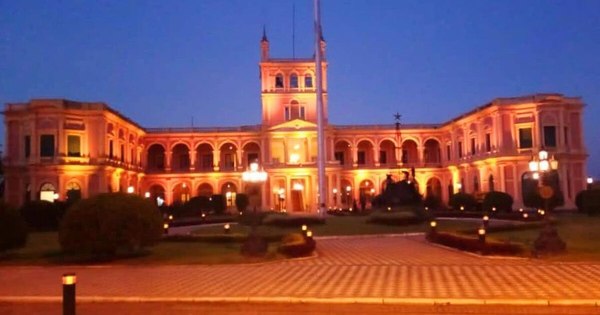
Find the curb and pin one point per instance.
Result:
(313, 300)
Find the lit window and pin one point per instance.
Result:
(473, 146)
(460, 149)
(488, 142)
(47, 145)
(73, 145)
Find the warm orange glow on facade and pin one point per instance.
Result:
(60, 146)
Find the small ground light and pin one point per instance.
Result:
(481, 233)
(226, 227)
(486, 221)
(520, 209)
(493, 208)
(166, 228)
(309, 234)
(462, 208)
(147, 194)
(426, 208)
(204, 215)
(304, 227)
(170, 217)
(525, 215)
(433, 226)
(542, 212)
(241, 213)
(389, 208)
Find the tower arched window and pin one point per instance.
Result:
(294, 81)
(308, 81)
(294, 111)
(279, 81)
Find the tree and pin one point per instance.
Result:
(13, 229)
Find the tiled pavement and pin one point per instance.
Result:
(400, 269)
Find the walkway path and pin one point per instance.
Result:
(398, 269)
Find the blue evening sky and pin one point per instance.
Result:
(162, 62)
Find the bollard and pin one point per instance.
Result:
(166, 228)
(481, 233)
(226, 228)
(486, 221)
(69, 280)
(433, 227)
(304, 229)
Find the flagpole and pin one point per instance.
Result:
(320, 133)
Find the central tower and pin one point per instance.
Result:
(288, 87)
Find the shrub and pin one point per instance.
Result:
(462, 199)
(501, 200)
(241, 202)
(473, 244)
(395, 218)
(43, 215)
(589, 201)
(534, 200)
(297, 245)
(217, 203)
(13, 229)
(292, 221)
(107, 224)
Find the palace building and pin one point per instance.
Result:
(58, 149)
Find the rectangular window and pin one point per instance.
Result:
(473, 147)
(488, 142)
(73, 145)
(567, 136)
(207, 162)
(133, 157)
(460, 149)
(550, 136)
(302, 112)
(294, 81)
(382, 157)
(525, 138)
(27, 146)
(110, 149)
(308, 82)
(448, 152)
(287, 113)
(339, 156)
(122, 153)
(47, 145)
(361, 157)
(404, 156)
(228, 161)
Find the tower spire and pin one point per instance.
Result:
(264, 45)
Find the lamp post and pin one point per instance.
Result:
(548, 241)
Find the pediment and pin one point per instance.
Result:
(296, 124)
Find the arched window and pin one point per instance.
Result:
(294, 111)
(294, 81)
(47, 192)
(73, 191)
(476, 183)
(279, 81)
(308, 81)
(491, 182)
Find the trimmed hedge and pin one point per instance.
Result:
(43, 215)
(107, 224)
(292, 221)
(216, 238)
(472, 244)
(395, 218)
(297, 245)
(588, 201)
(13, 229)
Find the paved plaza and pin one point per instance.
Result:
(386, 270)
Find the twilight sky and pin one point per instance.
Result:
(162, 62)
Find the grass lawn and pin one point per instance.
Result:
(580, 232)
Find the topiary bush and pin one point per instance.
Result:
(13, 229)
(500, 200)
(43, 215)
(108, 224)
(297, 245)
(432, 202)
(461, 199)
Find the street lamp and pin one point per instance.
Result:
(548, 241)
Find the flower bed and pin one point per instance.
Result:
(473, 244)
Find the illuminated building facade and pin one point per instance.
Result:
(60, 149)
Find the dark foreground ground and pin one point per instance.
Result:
(150, 308)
